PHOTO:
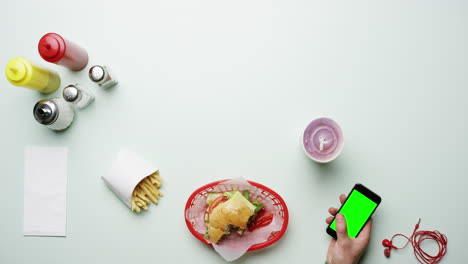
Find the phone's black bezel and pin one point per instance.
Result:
(366, 192)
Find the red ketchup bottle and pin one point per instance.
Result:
(53, 48)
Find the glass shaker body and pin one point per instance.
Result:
(55, 113)
(103, 76)
(77, 95)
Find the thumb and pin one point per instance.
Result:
(341, 230)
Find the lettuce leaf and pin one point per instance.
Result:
(229, 195)
(246, 195)
(258, 206)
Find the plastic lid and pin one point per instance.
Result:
(45, 112)
(323, 140)
(51, 47)
(17, 70)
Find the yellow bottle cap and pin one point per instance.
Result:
(18, 70)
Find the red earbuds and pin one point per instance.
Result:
(386, 252)
(416, 238)
(387, 243)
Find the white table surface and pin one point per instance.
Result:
(220, 89)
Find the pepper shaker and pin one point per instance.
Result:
(54, 113)
(77, 96)
(102, 76)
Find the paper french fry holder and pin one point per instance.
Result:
(127, 170)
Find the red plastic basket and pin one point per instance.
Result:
(278, 202)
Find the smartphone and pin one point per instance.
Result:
(359, 206)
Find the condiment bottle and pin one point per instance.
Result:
(21, 72)
(77, 95)
(54, 113)
(102, 76)
(56, 49)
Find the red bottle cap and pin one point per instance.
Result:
(52, 47)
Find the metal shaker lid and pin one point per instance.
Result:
(45, 112)
(96, 73)
(71, 93)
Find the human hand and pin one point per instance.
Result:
(346, 250)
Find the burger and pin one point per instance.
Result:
(228, 212)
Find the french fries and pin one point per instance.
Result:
(146, 191)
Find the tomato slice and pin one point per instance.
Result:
(263, 218)
(216, 202)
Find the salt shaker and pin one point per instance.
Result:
(77, 96)
(102, 76)
(54, 113)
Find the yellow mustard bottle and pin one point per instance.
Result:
(21, 72)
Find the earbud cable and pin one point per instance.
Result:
(420, 236)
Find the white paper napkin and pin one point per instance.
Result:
(45, 191)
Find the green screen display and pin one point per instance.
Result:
(356, 211)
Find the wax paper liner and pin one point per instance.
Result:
(126, 172)
(234, 246)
